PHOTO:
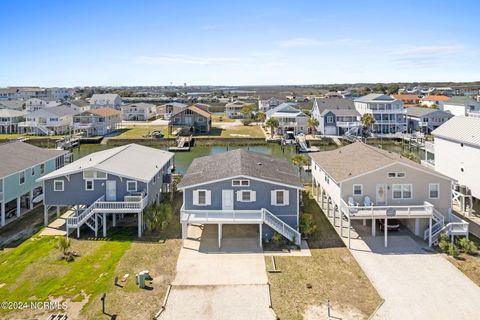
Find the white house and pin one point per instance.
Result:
(139, 111)
(336, 116)
(106, 100)
(34, 104)
(233, 109)
(433, 101)
(388, 112)
(457, 151)
(289, 119)
(49, 121)
(265, 105)
(9, 120)
(461, 106)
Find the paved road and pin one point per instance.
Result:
(230, 283)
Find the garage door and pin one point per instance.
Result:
(331, 131)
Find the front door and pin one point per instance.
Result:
(111, 194)
(381, 195)
(227, 199)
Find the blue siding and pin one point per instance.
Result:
(263, 194)
(12, 186)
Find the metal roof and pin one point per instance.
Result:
(16, 156)
(132, 160)
(461, 129)
(375, 97)
(240, 163)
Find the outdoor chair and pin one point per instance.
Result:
(367, 202)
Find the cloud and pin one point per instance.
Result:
(311, 42)
(182, 59)
(429, 50)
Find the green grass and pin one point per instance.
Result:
(16, 135)
(332, 272)
(221, 118)
(140, 132)
(236, 132)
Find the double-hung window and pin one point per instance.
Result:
(89, 185)
(357, 189)
(201, 197)
(58, 185)
(433, 190)
(246, 196)
(279, 197)
(22, 177)
(131, 186)
(402, 191)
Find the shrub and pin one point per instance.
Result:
(443, 242)
(467, 246)
(307, 224)
(247, 122)
(63, 244)
(277, 237)
(453, 250)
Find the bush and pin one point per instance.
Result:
(307, 224)
(467, 246)
(443, 242)
(453, 250)
(247, 122)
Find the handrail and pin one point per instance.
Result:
(286, 230)
(376, 210)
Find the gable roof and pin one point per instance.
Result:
(435, 98)
(406, 96)
(139, 105)
(422, 112)
(461, 100)
(285, 107)
(12, 104)
(358, 158)
(375, 97)
(462, 129)
(240, 163)
(16, 156)
(59, 111)
(132, 161)
(78, 103)
(195, 109)
(104, 98)
(104, 112)
(338, 106)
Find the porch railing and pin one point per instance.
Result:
(374, 211)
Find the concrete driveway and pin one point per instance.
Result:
(415, 282)
(226, 283)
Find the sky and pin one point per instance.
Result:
(262, 42)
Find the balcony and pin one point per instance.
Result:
(80, 125)
(221, 216)
(382, 212)
(348, 124)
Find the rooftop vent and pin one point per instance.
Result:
(259, 163)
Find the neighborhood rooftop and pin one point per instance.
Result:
(240, 163)
(422, 112)
(375, 97)
(358, 158)
(463, 129)
(16, 156)
(132, 160)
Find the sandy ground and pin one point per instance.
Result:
(58, 226)
(220, 283)
(321, 312)
(415, 282)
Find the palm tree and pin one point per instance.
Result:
(260, 116)
(312, 124)
(367, 121)
(64, 244)
(272, 123)
(300, 160)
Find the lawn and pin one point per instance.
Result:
(140, 132)
(332, 272)
(33, 271)
(239, 131)
(16, 135)
(221, 118)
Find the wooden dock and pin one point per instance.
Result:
(183, 144)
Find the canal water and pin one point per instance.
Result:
(184, 159)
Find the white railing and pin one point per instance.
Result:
(348, 124)
(437, 226)
(475, 114)
(374, 211)
(429, 146)
(278, 225)
(101, 206)
(428, 163)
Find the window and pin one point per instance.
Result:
(88, 174)
(330, 119)
(101, 175)
(42, 168)
(400, 174)
(433, 190)
(22, 177)
(402, 191)
(89, 185)
(92, 174)
(246, 196)
(238, 183)
(33, 171)
(58, 185)
(279, 197)
(201, 197)
(396, 174)
(131, 186)
(357, 189)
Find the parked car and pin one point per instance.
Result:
(393, 224)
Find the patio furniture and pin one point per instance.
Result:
(367, 202)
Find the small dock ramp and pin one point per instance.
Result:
(183, 144)
(337, 141)
(303, 146)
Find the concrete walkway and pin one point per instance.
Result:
(227, 283)
(415, 281)
(59, 226)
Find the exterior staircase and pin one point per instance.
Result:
(456, 226)
(281, 227)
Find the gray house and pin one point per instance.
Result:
(192, 119)
(242, 188)
(118, 181)
(336, 116)
(425, 120)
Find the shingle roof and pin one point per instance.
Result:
(406, 96)
(104, 112)
(60, 111)
(9, 113)
(79, 103)
(435, 98)
(16, 156)
(103, 98)
(339, 106)
(422, 112)
(132, 160)
(12, 104)
(357, 158)
(285, 107)
(240, 163)
(375, 97)
(461, 129)
(195, 109)
(460, 100)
